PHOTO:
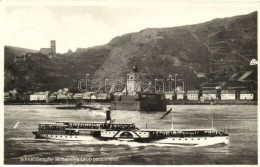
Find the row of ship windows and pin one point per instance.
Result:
(61, 136)
(193, 139)
(141, 133)
(115, 132)
(46, 131)
(172, 139)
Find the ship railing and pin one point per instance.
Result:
(157, 134)
(104, 126)
(52, 128)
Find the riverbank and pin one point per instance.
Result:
(172, 102)
(219, 102)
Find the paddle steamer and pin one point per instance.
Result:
(98, 131)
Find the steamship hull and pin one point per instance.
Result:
(194, 140)
(166, 140)
(65, 137)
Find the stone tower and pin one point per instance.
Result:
(133, 82)
(53, 47)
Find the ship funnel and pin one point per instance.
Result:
(108, 117)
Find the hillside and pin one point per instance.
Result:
(201, 54)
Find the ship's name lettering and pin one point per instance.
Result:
(36, 159)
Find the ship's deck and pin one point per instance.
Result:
(179, 130)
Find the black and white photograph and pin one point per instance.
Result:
(130, 83)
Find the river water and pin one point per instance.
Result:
(21, 148)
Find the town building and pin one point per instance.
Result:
(62, 96)
(20, 58)
(39, 96)
(168, 95)
(228, 94)
(209, 94)
(78, 96)
(86, 96)
(180, 95)
(108, 96)
(246, 95)
(102, 96)
(6, 96)
(93, 97)
(192, 95)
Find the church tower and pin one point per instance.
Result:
(133, 82)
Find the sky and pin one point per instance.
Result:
(72, 26)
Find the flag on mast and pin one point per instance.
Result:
(16, 125)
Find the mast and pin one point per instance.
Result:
(172, 120)
(212, 121)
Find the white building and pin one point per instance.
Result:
(246, 95)
(228, 95)
(180, 95)
(118, 93)
(6, 96)
(209, 94)
(86, 96)
(253, 62)
(102, 96)
(192, 95)
(78, 96)
(133, 82)
(65, 89)
(168, 95)
(61, 96)
(39, 96)
(93, 97)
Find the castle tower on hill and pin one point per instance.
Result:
(53, 47)
(49, 51)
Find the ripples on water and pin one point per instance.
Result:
(242, 122)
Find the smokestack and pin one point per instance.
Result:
(108, 117)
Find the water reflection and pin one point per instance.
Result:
(242, 122)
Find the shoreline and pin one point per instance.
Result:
(167, 103)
